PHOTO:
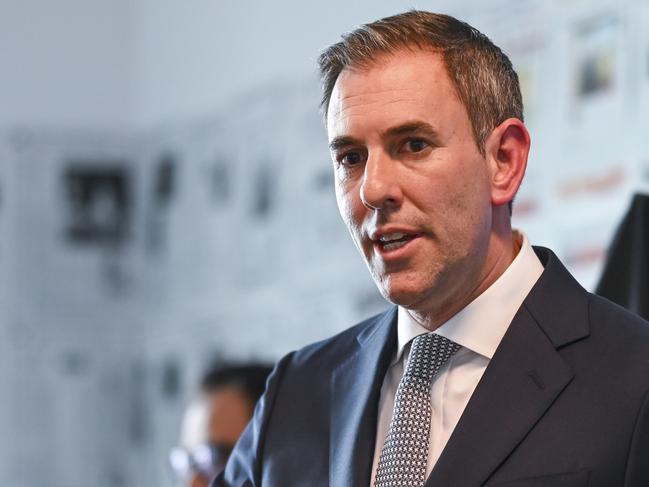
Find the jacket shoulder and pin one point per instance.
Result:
(623, 329)
(343, 343)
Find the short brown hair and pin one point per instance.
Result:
(482, 74)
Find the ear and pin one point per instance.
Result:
(506, 151)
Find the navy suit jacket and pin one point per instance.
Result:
(563, 402)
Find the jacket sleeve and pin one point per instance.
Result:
(244, 468)
(637, 472)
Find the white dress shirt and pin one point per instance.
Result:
(478, 328)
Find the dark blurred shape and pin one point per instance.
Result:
(75, 362)
(139, 419)
(171, 382)
(165, 182)
(596, 43)
(213, 423)
(98, 202)
(625, 278)
(220, 181)
(249, 378)
(163, 190)
(263, 191)
(594, 76)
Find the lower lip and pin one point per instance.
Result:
(400, 252)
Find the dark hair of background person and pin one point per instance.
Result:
(251, 379)
(482, 74)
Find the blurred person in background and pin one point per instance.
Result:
(213, 422)
(494, 366)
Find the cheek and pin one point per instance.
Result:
(347, 207)
(469, 188)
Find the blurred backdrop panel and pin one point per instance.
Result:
(166, 199)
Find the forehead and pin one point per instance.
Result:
(227, 394)
(412, 81)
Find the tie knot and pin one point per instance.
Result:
(428, 353)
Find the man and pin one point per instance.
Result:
(213, 423)
(527, 380)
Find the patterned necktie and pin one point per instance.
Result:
(405, 452)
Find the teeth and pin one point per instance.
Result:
(394, 245)
(392, 236)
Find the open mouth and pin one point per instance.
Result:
(396, 240)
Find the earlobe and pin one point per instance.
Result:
(506, 150)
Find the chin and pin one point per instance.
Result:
(406, 297)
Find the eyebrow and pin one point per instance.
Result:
(413, 127)
(341, 142)
(410, 128)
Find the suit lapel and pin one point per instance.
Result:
(523, 379)
(520, 383)
(355, 391)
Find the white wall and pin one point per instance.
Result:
(66, 63)
(192, 59)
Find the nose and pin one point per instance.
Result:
(380, 189)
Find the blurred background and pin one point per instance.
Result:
(166, 199)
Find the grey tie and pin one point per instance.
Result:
(405, 452)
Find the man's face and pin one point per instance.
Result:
(229, 413)
(411, 184)
(226, 414)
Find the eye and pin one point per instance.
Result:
(415, 145)
(351, 158)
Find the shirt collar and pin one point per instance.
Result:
(481, 325)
